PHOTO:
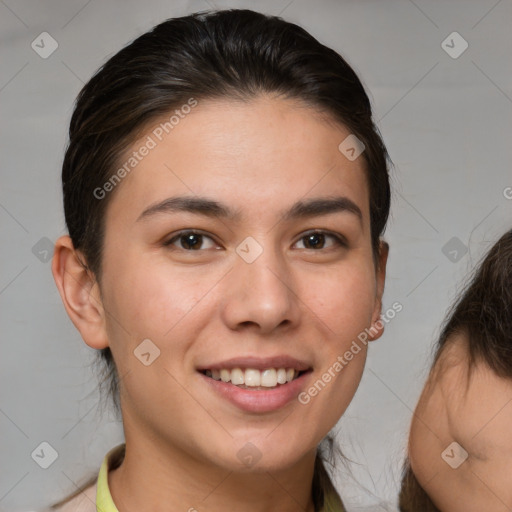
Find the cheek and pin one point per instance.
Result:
(151, 299)
(151, 303)
(344, 302)
(343, 299)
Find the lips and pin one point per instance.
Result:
(257, 384)
(258, 363)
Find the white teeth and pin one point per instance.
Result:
(237, 376)
(269, 378)
(250, 377)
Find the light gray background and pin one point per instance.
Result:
(446, 123)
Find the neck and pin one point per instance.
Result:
(168, 479)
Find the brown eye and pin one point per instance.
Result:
(317, 240)
(190, 241)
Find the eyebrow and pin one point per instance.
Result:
(211, 208)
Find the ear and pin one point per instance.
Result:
(79, 292)
(377, 328)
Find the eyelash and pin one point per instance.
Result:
(340, 241)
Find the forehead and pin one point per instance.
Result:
(264, 150)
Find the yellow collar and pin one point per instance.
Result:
(104, 501)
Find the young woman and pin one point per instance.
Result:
(225, 192)
(460, 445)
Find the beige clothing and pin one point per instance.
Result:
(84, 502)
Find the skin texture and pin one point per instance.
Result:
(208, 305)
(478, 418)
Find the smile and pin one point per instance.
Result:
(253, 378)
(256, 391)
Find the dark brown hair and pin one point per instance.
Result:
(235, 54)
(483, 314)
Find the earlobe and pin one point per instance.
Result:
(79, 292)
(377, 328)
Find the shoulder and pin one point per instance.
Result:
(85, 501)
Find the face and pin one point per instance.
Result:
(474, 474)
(230, 281)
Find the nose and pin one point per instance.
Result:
(260, 295)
